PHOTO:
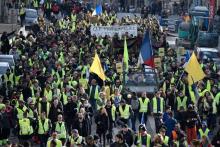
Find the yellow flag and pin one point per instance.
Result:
(194, 70)
(97, 67)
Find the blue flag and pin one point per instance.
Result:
(98, 10)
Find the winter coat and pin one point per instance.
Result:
(102, 123)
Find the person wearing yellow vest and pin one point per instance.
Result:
(158, 106)
(182, 101)
(32, 111)
(204, 131)
(142, 138)
(101, 101)
(83, 81)
(62, 24)
(48, 93)
(75, 139)
(211, 111)
(60, 128)
(35, 88)
(19, 111)
(48, 7)
(144, 105)
(36, 4)
(111, 110)
(178, 137)
(165, 138)
(54, 141)
(117, 86)
(9, 76)
(43, 128)
(22, 14)
(25, 129)
(125, 112)
(44, 106)
(73, 16)
(94, 94)
(116, 97)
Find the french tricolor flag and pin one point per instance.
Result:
(97, 11)
(146, 53)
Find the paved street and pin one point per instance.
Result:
(8, 27)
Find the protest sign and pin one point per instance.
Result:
(161, 52)
(112, 30)
(119, 67)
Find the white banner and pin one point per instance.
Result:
(112, 30)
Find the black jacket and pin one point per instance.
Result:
(4, 121)
(55, 111)
(102, 123)
(128, 137)
(82, 127)
(70, 110)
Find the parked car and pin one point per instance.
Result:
(207, 54)
(30, 17)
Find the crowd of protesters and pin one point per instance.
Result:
(50, 98)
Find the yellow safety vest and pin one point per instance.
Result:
(25, 127)
(206, 133)
(155, 105)
(143, 104)
(73, 17)
(61, 130)
(181, 103)
(124, 113)
(192, 94)
(21, 112)
(48, 94)
(32, 91)
(96, 92)
(73, 27)
(65, 97)
(9, 78)
(208, 85)
(107, 92)
(75, 141)
(30, 113)
(58, 143)
(84, 83)
(48, 108)
(113, 110)
(42, 128)
(48, 5)
(58, 75)
(166, 140)
(35, 3)
(217, 98)
(22, 11)
(148, 140)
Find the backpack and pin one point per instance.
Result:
(134, 104)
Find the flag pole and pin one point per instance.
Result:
(180, 78)
(153, 57)
(195, 91)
